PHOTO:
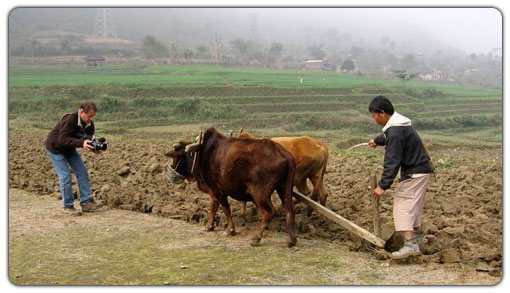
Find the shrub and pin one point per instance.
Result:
(111, 104)
(186, 107)
(145, 102)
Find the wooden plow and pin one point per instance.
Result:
(375, 239)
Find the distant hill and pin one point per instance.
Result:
(192, 27)
(188, 26)
(29, 22)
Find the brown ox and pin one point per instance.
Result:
(311, 159)
(245, 169)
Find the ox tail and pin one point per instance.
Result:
(289, 204)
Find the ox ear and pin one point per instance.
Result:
(176, 150)
(194, 147)
(172, 153)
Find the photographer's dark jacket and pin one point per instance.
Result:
(404, 151)
(67, 135)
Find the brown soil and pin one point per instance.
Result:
(462, 216)
(120, 247)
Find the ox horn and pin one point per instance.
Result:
(192, 147)
(175, 146)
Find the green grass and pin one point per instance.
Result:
(252, 98)
(199, 76)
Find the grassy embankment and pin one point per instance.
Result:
(175, 102)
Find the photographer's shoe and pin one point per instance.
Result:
(72, 211)
(91, 206)
(410, 248)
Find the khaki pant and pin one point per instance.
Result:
(408, 203)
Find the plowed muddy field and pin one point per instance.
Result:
(462, 216)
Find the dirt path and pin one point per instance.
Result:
(119, 247)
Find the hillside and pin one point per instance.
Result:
(263, 38)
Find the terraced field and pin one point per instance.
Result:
(154, 101)
(144, 110)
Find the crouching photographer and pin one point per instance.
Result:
(74, 130)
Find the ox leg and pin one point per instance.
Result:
(228, 213)
(323, 195)
(269, 212)
(314, 196)
(214, 208)
(318, 189)
(289, 215)
(301, 186)
(243, 210)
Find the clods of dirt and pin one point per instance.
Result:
(462, 217)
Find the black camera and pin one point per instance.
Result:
(98, 143)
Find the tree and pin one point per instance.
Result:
(188, 54)
(153, 48)
(404, 75)
(65, 46)
(240, 46)
(356, 50)
(33, 46)
(217, 46)
(347, 65)
(275, 51)
(201, 51)
(316, 51)
(408, 61)
(173, 52)
(254, 27)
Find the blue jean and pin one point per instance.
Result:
(61, 163)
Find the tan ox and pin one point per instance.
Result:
(311, 158)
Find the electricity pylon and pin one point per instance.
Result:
(104, 25)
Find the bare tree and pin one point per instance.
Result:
(173, 52)
(188, 55)
(217, 46)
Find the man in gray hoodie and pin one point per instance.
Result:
(404, 151)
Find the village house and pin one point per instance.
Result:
(314, 64)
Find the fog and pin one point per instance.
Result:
(469, 30)
(472, 30)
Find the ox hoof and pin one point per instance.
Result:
(291, 243)
(209, 228)
(255, 242)
(231, 232)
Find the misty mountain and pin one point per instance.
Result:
(295, 28)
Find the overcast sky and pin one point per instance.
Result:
(475, 30)
(472, 30)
